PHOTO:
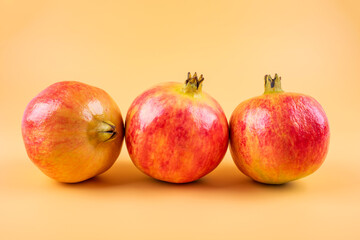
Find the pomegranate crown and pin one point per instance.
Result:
(272, 85)
(194, 80)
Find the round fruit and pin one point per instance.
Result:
(175, 132)
(72, 131)
(278, 137)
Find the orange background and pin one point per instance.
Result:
(125, 47)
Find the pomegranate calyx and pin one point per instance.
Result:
(193, 84)
(106, 131)
(272, 85)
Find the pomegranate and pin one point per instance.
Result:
(278, 137)
(72, 131)
(176, 132)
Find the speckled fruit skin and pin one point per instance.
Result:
(279, 137)
(64, 131)
(174, 136)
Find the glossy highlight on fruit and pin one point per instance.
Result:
(72, 131)
(278, 137)
(176, 132)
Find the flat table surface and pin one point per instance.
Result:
(123, 203)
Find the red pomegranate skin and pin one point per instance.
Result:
(279, 137)
(72, 131)
(175, 135)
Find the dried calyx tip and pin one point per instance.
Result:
(106, 131)
(194, 80)
(272, 84)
